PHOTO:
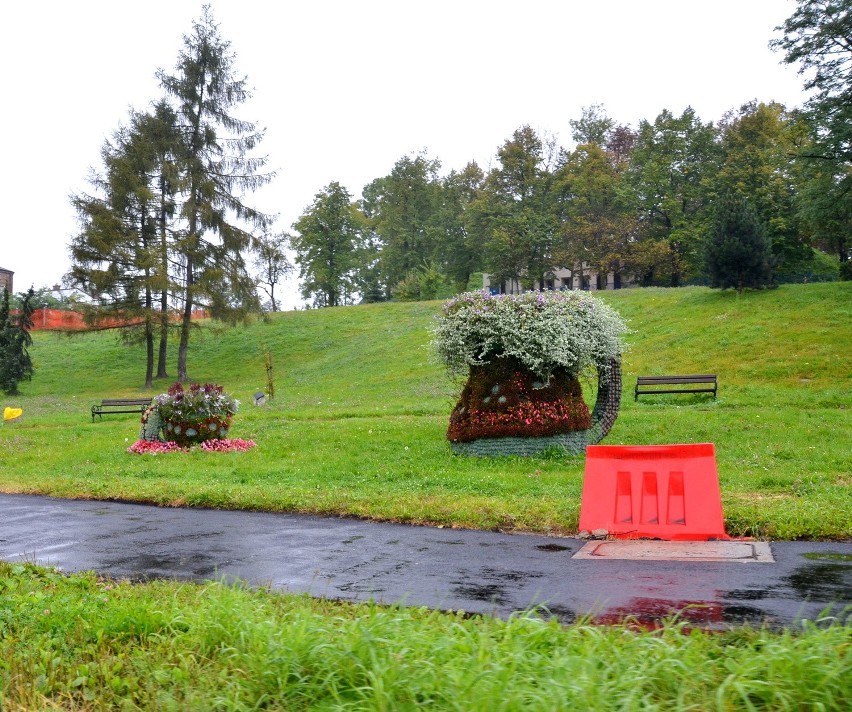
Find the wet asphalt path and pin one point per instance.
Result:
(447, 569)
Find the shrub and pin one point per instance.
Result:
(542, 331)
(738, 252)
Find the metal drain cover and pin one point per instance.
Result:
(644, 550)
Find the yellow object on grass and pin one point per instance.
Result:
(12, 413)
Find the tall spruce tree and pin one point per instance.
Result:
(15, 340)
(738, 251)
(159, 130)
(216, 170)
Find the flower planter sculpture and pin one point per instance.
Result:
(523, 356)
(190, 416)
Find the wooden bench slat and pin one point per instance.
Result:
(676, 379)
(692, 379)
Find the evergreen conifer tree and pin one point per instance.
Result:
(217, 169)
(739, 251)
(15, 362)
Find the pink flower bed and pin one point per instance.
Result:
(146, 447)
(143, 447)
(225, 445)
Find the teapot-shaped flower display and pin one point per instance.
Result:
(523, 356)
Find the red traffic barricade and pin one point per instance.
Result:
(653, 491)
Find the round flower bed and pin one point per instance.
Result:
(190, 416)
(523, 356)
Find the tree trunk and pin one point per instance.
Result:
(149, 349)
(164, 338)
(183, 349)
(149, 308)
(164, 293)
(675, 250)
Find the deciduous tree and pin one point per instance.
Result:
(593, 126)
(402, 208)
(596, 225)
(757, 146)
(818, 37)
(668, 164)
(271, 263)
(327, 246)
(512, 217)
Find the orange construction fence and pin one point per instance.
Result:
(61, 320)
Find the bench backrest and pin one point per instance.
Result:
(695, 378)
(125, 401)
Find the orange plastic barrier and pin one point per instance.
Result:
(656, 491)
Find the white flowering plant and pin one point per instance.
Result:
(543, 331)
(198, 402)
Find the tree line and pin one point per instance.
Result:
(643, 204)
(165, 227)
(673, 200)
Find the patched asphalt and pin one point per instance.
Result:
(447, 569)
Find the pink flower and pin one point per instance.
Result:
(146, 447)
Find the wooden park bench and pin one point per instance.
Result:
(109, 406)
(649, 385)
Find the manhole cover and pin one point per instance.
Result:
(735, 551)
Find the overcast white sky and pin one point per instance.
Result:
(345, 88)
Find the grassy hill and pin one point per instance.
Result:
(357, 425)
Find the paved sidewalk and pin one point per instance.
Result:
(474, 571)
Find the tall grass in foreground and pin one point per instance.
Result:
(84, 643)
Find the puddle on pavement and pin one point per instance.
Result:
(565, 615)
(149, 566)
(552, 547)
(747, 594)
(491, 592)
(828, 556)
(513, 576)
(708, 615)
(482, 592)
(822, 581)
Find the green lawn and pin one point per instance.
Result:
(357, 425)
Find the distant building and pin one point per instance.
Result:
(562, 279)
(6, 279)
